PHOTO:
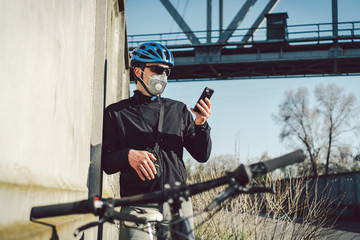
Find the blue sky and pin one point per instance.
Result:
(150, 16)
(241, 109)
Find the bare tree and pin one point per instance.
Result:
(319, 128)
(337, 108)
(299, 122)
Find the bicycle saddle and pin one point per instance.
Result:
(150, 214)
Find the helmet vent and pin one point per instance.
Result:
(158, 51)
(145, 57)
(152, 52)
(167, 56)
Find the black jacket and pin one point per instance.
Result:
(132, 124)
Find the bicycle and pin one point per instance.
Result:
(178, 227)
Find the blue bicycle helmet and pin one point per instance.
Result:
(152, 52)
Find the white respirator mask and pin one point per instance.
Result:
(156, 84)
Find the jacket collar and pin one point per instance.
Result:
(141, 98)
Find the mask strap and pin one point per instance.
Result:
(143, 83)
(142, 71)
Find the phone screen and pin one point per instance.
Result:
(207, 93)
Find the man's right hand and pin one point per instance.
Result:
(141, 162)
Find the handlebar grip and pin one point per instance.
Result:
(285, 160)
(243, 174)
(84, 206)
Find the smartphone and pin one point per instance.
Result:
(207, 93)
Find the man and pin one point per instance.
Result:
(148, 154)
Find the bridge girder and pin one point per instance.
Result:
(248, 58)
(226, 34)
(269, 61)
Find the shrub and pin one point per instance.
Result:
(296, 211)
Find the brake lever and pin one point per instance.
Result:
(108, 214)
(86, 226)
(104, 209)
(235, 189)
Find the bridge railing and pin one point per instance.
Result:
(295, 34)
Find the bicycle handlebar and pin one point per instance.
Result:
(94, 205)
(241, 176)
(280, 162)
(84, 206)
(244, 174)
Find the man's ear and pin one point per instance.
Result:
(137, 72)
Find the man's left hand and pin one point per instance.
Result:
(205, 109)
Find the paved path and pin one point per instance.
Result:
(348, 230)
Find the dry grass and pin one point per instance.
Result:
(295, 211)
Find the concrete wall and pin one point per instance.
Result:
(52, 64)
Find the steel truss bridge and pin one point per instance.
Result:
(321, 49)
